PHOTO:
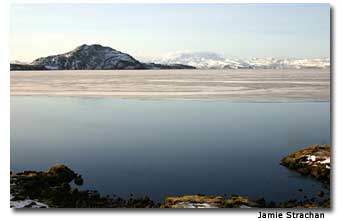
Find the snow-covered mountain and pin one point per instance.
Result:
(209, 60)
(92, 57)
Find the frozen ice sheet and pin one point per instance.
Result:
(286, 85)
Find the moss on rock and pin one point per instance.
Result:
(194, 201)
(313, 160)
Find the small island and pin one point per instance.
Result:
(313, 160)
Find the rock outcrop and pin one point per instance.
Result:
(194, 201)
(237, 201)
(313, 160)
(31, 189)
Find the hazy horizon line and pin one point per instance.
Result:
(150, 58)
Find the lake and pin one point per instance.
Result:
(165, 148)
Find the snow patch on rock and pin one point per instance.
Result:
(17, 204)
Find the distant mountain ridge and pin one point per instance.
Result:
(210, 60)
(98, 57)
(92, 57)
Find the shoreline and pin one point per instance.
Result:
(50, 189)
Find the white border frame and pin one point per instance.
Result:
(111, 214)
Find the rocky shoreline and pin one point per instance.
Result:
(52, 189)
(313, 160)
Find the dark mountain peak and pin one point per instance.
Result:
(92, 47)
(92, 57)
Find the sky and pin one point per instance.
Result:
(153, 30)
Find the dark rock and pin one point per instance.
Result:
(167, 66)
(78, 180)
(260, 201)
(27, 67)
(60, 174)
(53, 188)
(320, 194)
(238, 201)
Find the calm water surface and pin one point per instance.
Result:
(166, 148)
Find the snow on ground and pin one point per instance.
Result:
(326, 161)
(191, 205)
(245, 207)
(17, 204)
(312, 157)
(314, 160)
